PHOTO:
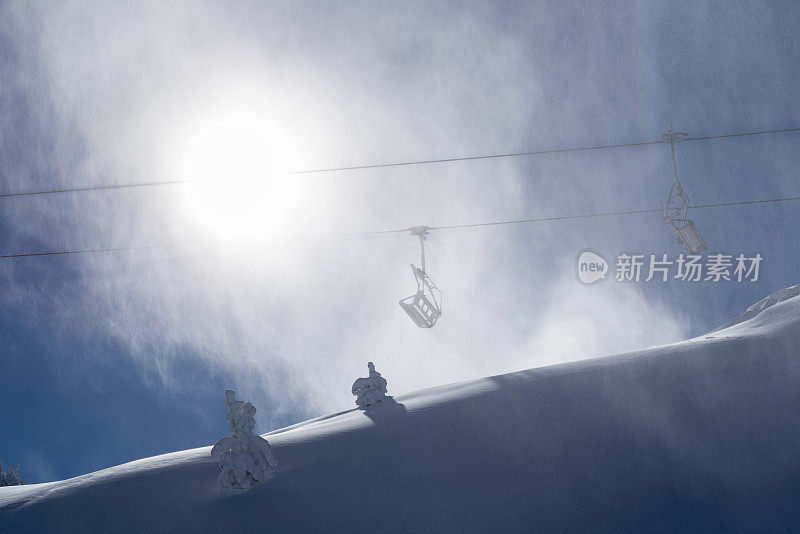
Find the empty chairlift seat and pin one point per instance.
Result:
(424, 306)
(690, 236)
(676, 207)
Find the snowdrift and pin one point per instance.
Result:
(699, 435)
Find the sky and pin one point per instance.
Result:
(111, 357)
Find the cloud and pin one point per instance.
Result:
(293, 323)
(581, 321)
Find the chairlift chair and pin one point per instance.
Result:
(676, 218)
(676, 207)
(424, 307)
(689, 236)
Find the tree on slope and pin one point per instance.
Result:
(370, 390)
(245, 459)
(10, 477)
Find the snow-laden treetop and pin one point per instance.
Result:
(370, 390)
(244, 458)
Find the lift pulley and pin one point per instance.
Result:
(677, 205)
(425, 306)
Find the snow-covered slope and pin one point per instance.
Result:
(699, 435)
(763, 304)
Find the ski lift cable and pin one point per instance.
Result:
(412, 229)
(408, 163)
(94, 188)
(85, 251)
(539, 152)
(608, 214)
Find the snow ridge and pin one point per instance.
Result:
(701, 435)
(763, 304)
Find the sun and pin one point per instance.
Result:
(237, 163)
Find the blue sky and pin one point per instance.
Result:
(114, 357)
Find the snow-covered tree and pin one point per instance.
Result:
(370, 390)
(244, 458)
(10, 477)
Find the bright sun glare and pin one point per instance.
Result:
(238, 166)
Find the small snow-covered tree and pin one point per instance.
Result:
(10, 477)
(370, 390)
(244, 458)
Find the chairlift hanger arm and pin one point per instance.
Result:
(422, 252)
(675, 167)
(673, 137)
(420, 231)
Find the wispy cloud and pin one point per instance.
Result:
(294, 323)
